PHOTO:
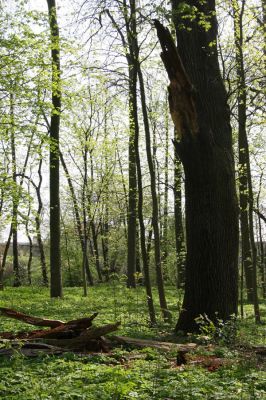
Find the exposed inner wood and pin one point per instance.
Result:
(181, 92)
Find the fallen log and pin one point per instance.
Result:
(67, 329)
(142, 343)
(82, 342)
(29, 319)
(73, 335)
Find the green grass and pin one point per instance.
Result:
(146, 374)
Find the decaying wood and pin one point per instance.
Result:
(181, 91)
(73, 335)
(28, 319)
(83, 340)
(141, 343)
(30, 349)
(67, 329)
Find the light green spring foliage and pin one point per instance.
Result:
(126, 374)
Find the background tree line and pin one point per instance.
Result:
(90, 100)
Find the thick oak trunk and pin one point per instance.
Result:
(198, 107)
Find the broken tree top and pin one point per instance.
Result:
(73, 335)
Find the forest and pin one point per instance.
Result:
(132, 199)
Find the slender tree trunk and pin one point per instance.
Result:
(202, 120)
(29, 239)
(75, 206)
(249, 251)
(15, 201)
(1, 274)
(129, 15)
(243, 153)
(71, 282)
(166, 195)
(96, 250)
(132, 182)
(85, 262)
(179, 231)
(105, 250)
(54, 165)
(155, 211)
(38, 225)
(145, 258)
(5, 253)
(261, 247)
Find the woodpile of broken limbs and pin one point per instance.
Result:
(77, 335)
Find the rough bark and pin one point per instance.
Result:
(54, 176)
(197, 100)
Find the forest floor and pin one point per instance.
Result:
(222, 366)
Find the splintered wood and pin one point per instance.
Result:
(76, 335)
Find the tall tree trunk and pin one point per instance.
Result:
(249, 251)
(29, 238)
(145, 257)
(54, 165)
(76, 209)
(261, 246)
(243, 151)
(179, 231)
(5, 253)
(85, 261)
(129, 15)
(202, 120)
(105, 249)
(155, 211)
(38, 224)
(15, 201)
(71, 282)
(132, 179)
(166, 195)
(96, 250)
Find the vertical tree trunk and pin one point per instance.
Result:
(3, 264)
(96, 250)
(179, 231)
(75, 206)
(38, 225)
(71, 282)
(55, 254)
(15, 201)
(155, 211)
(105, 249)
(29, 239)
(249, 251)
(145, 256)
(129, 15)
(261, 246)
(202, 120)
(132, 178)
(85, 261)
(243, 151)
(165, 200)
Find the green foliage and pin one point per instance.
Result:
(219, 331)
(146, 374)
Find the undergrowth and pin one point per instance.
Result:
(130, 374)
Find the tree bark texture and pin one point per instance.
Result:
(55, 253)
(197, 100)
